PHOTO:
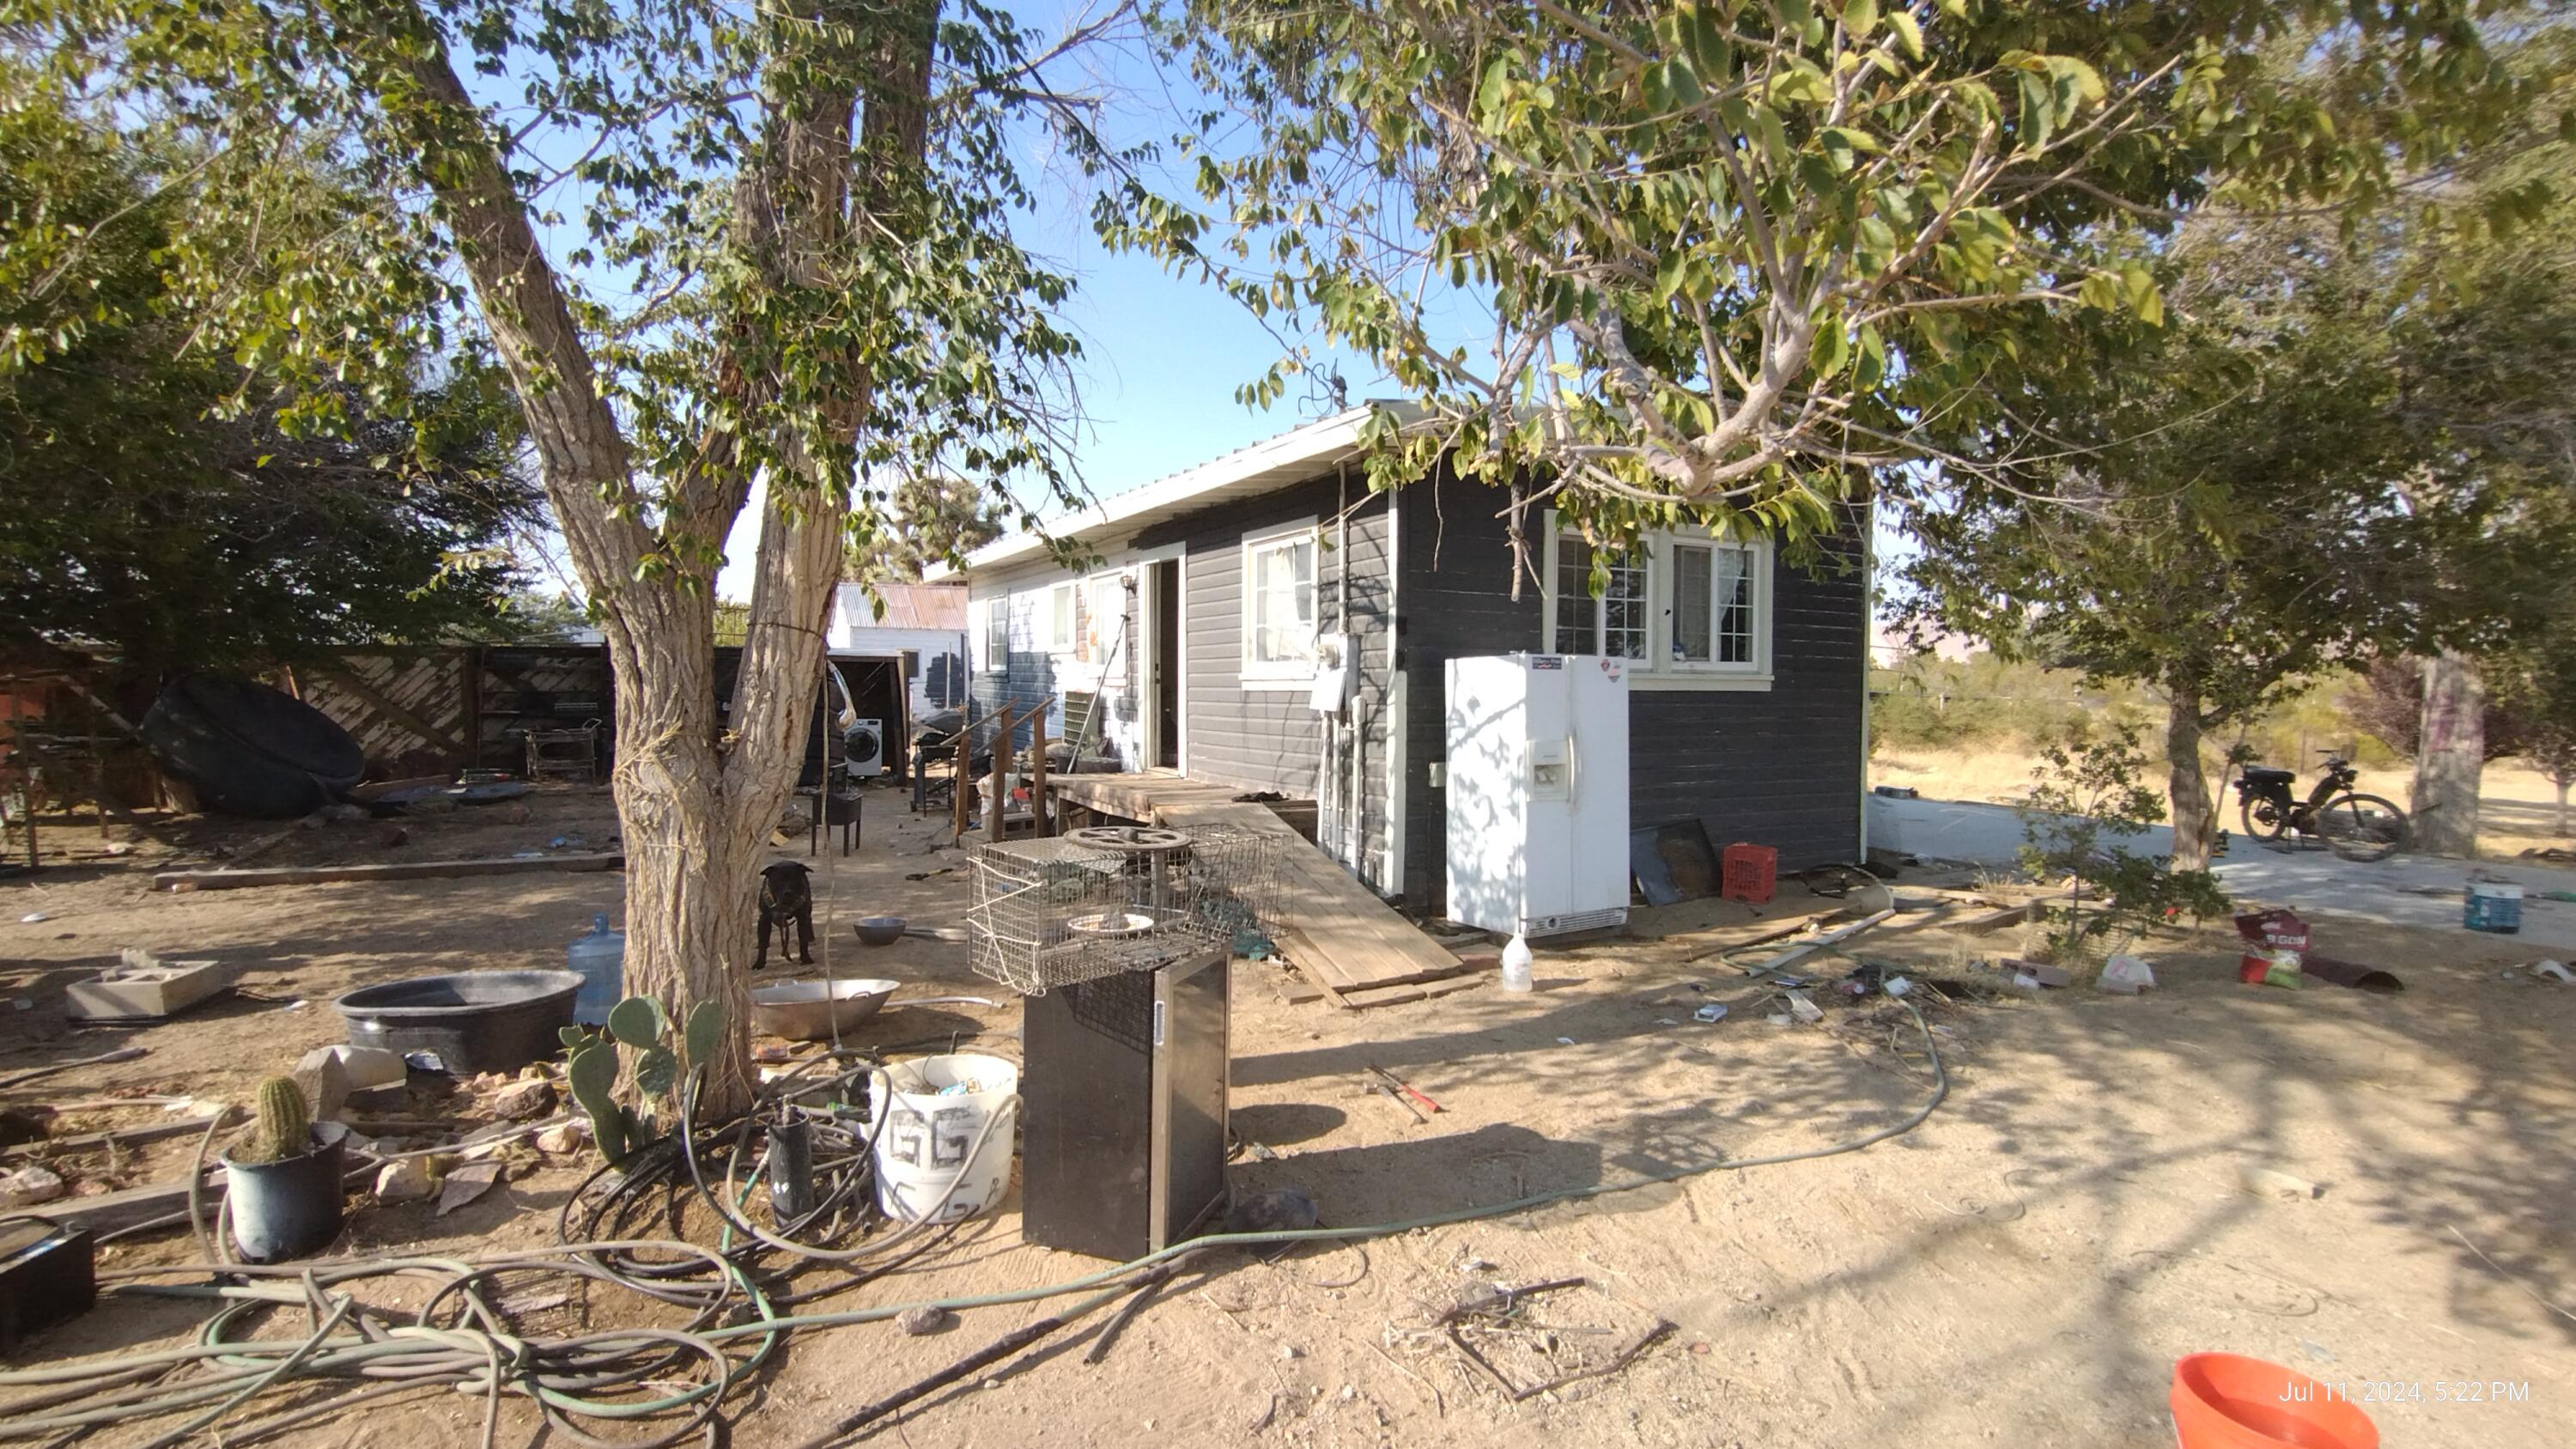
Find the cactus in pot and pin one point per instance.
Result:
(284, 1125)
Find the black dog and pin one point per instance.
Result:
(785, 896)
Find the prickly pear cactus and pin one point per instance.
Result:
(285, 1125)
(639, 1025)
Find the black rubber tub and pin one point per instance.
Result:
(480, 1021)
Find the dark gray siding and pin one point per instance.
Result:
(1780, 767)
(1273, 739)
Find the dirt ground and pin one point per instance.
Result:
(2517, 806)
(2023, 1267)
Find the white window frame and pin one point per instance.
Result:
(1100, 627)
(1063, 622)
(1659, 670)
(997, 631)
(1663, 588)
(1254, 673)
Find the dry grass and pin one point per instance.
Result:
(2518, 808)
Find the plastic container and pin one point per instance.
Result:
(2494, 907)
(286, 1209)
(930, 1166)
(599, 959)
(2228, 1401)
(1748, 872)
(478, 1021)
(1516, 964)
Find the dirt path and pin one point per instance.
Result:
(2022, 1268)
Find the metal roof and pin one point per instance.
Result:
(907, 606)
(1248, 472)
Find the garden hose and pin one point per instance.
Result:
(611, 1375)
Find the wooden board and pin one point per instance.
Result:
(1335, 929)
(227, 880)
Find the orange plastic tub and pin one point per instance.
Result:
(2228, 1401)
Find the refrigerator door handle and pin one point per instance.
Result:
(1573, 768)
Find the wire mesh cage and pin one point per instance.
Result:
(1105, 900)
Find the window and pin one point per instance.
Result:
(1712, 604)
(997, 632)
(1612, 623)
(1279, 606)
(1693, 611)
(1105, 610)
(1062, 625)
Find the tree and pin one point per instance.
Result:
(2229, 511)
(2297, 473)
(1638, 260)
(707, 245)
(2386, 701)
(150, 498)
(929, 518)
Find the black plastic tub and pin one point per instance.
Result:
(479, 1021)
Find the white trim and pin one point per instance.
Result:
(1391, 882)
(1285, 674)
(1291, 457)
(1658, 671)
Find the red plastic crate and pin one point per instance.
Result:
(1748, 872)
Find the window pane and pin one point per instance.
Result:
(1623, 609)
(1280, 603)
(1692, 584)
(1735, 614)
(1575, 609)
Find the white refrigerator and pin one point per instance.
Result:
(1537, 786)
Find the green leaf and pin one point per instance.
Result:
(1670, 85)
(1801, 84)
(1774, 135)
(572, 1036)
(636, 1021)
(1830, 350)
(1860, 17)
(1909, 31)
(705, 1031)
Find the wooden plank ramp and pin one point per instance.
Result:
(1332, 927)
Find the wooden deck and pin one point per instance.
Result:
(1332, 927)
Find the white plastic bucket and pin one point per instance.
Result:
(922, 1157)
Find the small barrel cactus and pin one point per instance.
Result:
(284, 1128)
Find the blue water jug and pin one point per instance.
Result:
(599, 959)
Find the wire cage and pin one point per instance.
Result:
(1106, 900)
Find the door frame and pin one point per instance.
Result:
(1149, 653)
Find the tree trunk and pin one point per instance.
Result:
(2562, 782)
(2195, 819)
(2451, 756)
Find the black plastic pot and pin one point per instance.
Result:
(288, 1208)
(478, 1021)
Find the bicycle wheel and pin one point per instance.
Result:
(2361, 827)
(2264, 818)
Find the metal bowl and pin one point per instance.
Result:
(814, 1010)
(880, 930)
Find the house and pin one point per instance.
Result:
(924, 625)
(1216, 591)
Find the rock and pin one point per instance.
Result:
(29, 1186)
(563, 1137)
(922, 1320)
(1291, 1351)
(324, 1080)
(524, 1101)
(367, 1067)
(1279, 1210)
(405, 1180)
